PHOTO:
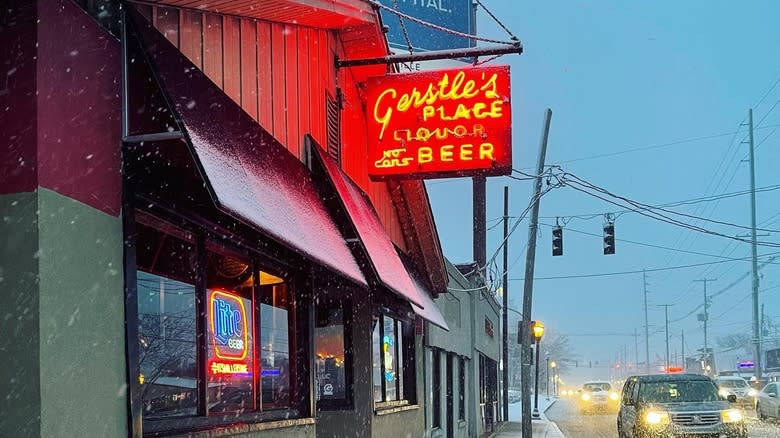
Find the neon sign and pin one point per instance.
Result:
(229, 333)
(443, 123)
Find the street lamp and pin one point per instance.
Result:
(538, 330)
(555, 388)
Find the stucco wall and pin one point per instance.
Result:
(19, 376)
(82, 345)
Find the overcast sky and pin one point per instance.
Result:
(618, 76)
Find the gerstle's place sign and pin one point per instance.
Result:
(438, 124)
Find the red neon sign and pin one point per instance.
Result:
(443, 123)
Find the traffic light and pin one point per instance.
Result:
(557, 242)
(609, 238)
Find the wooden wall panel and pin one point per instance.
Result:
(304, 84)
(145, 11)
(249, 67)
(278, 55)
(231, 58)
(316, 94)
(191, 36)
(291, 109)
(265, 93)
(212, 48)
(167, 22)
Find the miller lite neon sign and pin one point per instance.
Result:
(229, 333)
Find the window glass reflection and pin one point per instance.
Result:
(329, 348)
(166, 321)
(276, 342)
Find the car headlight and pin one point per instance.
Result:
(752, 392)
(656, 417)
(731, 415)
(585, 397)
(613, 395)
(724, 393)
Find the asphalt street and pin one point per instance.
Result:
(603, 425)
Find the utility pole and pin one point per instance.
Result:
(756, 329)
(682, 342)
(528, 281)
(636, 348)
(505, 340)
(666, 315)
(647, 331)
(706, 317)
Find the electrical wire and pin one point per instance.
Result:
(644, 206)
(638, 271)
(691, 201)
(660, 217)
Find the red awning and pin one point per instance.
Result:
(247, 172)
(388, 267)
(430, 311)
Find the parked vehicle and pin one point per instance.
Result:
(664, 405)
(768, 402)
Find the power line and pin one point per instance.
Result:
(639, 271)
(644, 211)
(650, 245)
(647, 207)
(690, 201)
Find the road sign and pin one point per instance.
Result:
(456, 15)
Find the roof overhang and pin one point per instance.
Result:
(322, 14)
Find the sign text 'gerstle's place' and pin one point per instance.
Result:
(436, 124)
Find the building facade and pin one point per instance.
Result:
(192, 243)
(462, 397)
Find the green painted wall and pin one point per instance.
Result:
(19, 375)
(82, 337)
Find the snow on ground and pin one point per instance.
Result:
(515, 409)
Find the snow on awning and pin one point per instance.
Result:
(249, 175)
(430, 311)
(388, 267)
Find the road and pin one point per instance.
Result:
(574, 425)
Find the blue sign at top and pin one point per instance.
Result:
(453, 14)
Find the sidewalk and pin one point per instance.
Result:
(542, 428)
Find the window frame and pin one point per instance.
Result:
(436, 388)
(346, 403)
(160, 218)
(406, 368)
(462, 389)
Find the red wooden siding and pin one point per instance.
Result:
(280, 74)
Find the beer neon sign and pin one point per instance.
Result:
(229, 333)
(443, 123)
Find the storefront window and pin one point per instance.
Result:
(330, 349)
(217, 358)
(229, 284)
(276, 343)
(392, 367)
(166, 321)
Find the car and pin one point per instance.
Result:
(768, 402)
(746, 396)
(598, 395)
(670, 405)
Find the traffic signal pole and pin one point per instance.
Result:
(528, 282)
